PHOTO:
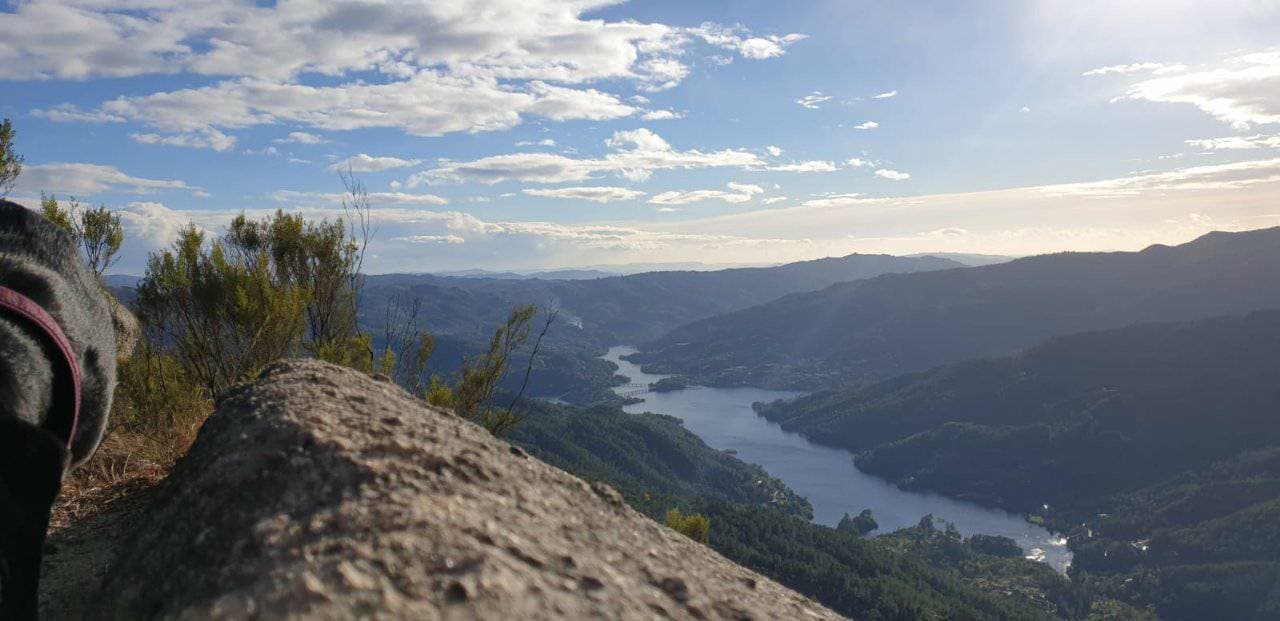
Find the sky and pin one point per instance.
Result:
(540, 134)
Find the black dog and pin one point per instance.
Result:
(57, 375)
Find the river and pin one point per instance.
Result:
(723, 418)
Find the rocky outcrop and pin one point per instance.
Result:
(319, 492)
(126, 326)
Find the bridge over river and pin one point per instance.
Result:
(637, 389)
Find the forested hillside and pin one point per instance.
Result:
(1155, 447)
(860, 332)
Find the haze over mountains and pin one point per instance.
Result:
(869, 330)
(594, 313)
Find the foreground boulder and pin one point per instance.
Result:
(319, 492)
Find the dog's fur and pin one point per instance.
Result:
(40, 261)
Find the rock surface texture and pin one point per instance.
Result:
(319, 492)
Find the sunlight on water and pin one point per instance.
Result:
(723, 418)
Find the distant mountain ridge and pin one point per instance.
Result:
(599, 313)
(859, 332)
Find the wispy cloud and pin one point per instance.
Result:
(363, 162)
(886, 95)
(813, 100)
(867, 125)
(805, 167)
(1233, 143)
(301, 138)
(598, 194)
(737, 193)
(87, 180)
(892, 175)
(203, 138)
(742, 41)
(1244, 90)
(1156, 68)
(378, 198)
(636, 155)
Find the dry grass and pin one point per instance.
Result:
(125, 467)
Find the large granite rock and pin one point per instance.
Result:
(319, 492)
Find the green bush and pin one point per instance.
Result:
(222, 314)
(692, 525)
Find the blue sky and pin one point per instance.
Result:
(536, 134)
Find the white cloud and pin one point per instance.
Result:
(886, 95)
(867, 125)
(69, 113)
(204, 138)
(813, 100)
(661, 115)
(269, 152)
(667, 209)
(427, 104)
(364, 162)
(1243, 90)
(892, 175)
(545, 142)
(1024, 109)
(1155, 68)
(636, 155)
(153, 222)
(1234, 175)
(431, 239)
(301, 138)
(534, 39)
(1228, 143)
(86, 180)
(774, 151)
(599, 194)
(738, 193)
(375, 198)
(809, 166)
(772, 200)
(742, 41)
(427, 68)
(857, 162)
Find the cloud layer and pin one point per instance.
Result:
(437, 66)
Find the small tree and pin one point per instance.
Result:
(225, 315)
(692, 525)
(96, 231)
(321, 258)
(480, 376)
(406, 349)
(10, 161)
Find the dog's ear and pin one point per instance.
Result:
(32, 462)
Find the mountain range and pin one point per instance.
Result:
(859, 332)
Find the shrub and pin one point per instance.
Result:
(97, 231)
(222, 315)
(10, 161)
(693, 525)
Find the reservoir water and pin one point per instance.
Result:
(723, 418)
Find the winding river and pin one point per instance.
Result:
(723, 418)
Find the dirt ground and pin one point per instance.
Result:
(89, 523)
